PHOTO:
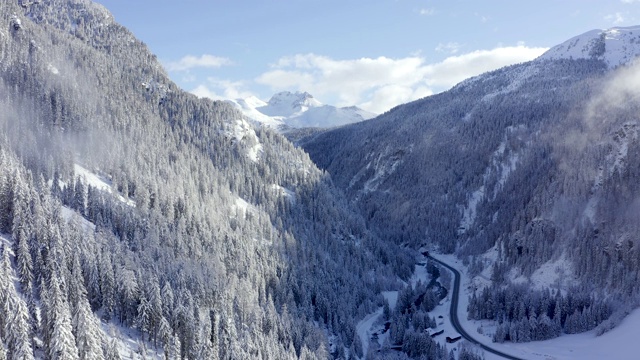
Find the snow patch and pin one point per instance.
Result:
(52, 69)
(420, 274)
(242, 131)
(502, 164)
(628, 132)
(98, 182)
(282, 191)
(469, 212)
(383, 164)
(129, 342)
(70, 215)
(553, 273)
(241, 207)
(391, 297)
(614, 162)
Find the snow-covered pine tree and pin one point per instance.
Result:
(62, 342)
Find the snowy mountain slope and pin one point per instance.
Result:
(616, 46)
(537, 160)
(173, 270)
(287, 110)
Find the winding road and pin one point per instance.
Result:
(454, 314)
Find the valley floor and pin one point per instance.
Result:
(619, 343)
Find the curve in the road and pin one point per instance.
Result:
(454, 314)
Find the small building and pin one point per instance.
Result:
(451, 340)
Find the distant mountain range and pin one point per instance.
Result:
(295, 110)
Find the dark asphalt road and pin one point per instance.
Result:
(454, 314)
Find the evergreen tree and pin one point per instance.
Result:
(18, 330)
(62, 343)
(3, 350)
(89, 337)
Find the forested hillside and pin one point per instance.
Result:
(128, 204)
(137, 220)
(526, 169)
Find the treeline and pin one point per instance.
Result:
(525, 315)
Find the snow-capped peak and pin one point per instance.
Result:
(616, 46)
(286, 110)
(251, 102)
(287, 103)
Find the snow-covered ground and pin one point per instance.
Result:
(242, 131)
(282, 191)
(365, 328)
(129, 343)
(54, 70)
(241, 208)
(503, 163)
(619, 343)
(98, 182)
(373, 323)
(615, 161)
(69, 214)
(615, 46)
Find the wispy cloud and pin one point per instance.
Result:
(629, 1)
(483, 18)
(450, 47)
(377, 84)
(203, 61)
(221, 89)
(616, 18)
(427, 11)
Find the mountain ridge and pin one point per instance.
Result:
(507, 170)
(295, 110)
(615, 46)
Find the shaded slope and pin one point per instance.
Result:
(413, 169)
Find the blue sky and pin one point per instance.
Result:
(374, 54)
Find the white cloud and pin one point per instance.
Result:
(616, 18)
(450, 47)
(378, 84)
(204, 61)
(629, 1)
(483, 18)
(427, 11)
(217, 89)
(204, 91)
